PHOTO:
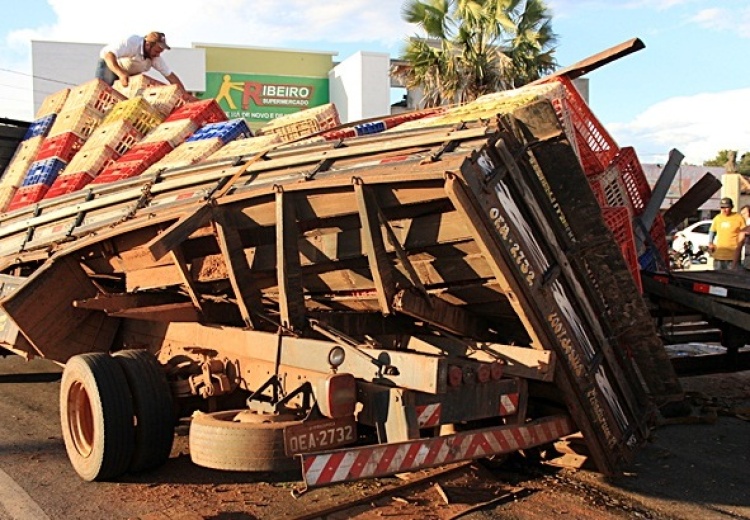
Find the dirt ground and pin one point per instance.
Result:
(694, 468)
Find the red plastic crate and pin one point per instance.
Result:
(63, 146)
(147, 152)
(26, 195)
(609, 188)
(633, 178)
(619, 221)
(200, 112)
(595, 146)
(120, 170)
(335, 135)
(68, 184)
(658, 234)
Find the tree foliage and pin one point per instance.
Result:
(474, 47)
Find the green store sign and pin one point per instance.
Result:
(260, 99)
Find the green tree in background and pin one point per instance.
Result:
(474, 47)
(724, 156)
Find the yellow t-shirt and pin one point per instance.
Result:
(727, 229)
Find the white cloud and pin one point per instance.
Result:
(737, 22)
(698, 126)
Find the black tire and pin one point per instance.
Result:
(96, 415)
(218, 442)
(152, 406)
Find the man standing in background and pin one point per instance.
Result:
(745, 243)
(724, 235)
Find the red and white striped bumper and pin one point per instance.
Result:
(319, 469)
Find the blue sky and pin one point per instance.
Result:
(688, 89)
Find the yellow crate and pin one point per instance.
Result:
(81, 121)
(303, 123)
(90, 161)
(118, 135)
(166, 98)
(247, 146)
(94, 94)
(186, 154)
(21, 161)
(53, 103)
(136, 85)
(137, 112)
(174, 132)
(6, 195)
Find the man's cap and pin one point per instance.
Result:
(159, 38)
(726, 202)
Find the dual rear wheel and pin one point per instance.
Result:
(116, 414)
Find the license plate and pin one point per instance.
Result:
(319, 435)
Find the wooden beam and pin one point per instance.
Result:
(372, 240)
(179, 261)
(597, 60)
(167, 313)
(691, 200)
(288, 269)
(440, 314)
(179, 231)
(123, 301)
(245, 290)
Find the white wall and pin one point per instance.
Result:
(58, 65)
(360, 86)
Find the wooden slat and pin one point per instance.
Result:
(244, 287)
(291, 297)
(440, 314)
(179, 260)
(122, 301)
(179, 231)
(372, 237)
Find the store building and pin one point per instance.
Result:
(258, 84)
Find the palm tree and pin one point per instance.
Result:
(474, 47)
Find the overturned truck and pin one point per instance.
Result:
(365, 306)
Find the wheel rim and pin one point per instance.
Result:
(80, 419)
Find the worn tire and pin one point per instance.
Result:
(152, 407)
(96, 415)
(217, 442)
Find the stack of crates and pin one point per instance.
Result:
(137, 85)
(134, 162)
(226, 131)
(17, 189)
(19, 165)
(199, 112)
(122, 127)
(189, 152)
(179, 126)
(166, 98)
(82, 111)
(160, 141)
(245, 147)
(304, 123)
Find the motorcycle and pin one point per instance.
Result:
(686, 257)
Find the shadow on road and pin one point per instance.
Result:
(39, 377)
